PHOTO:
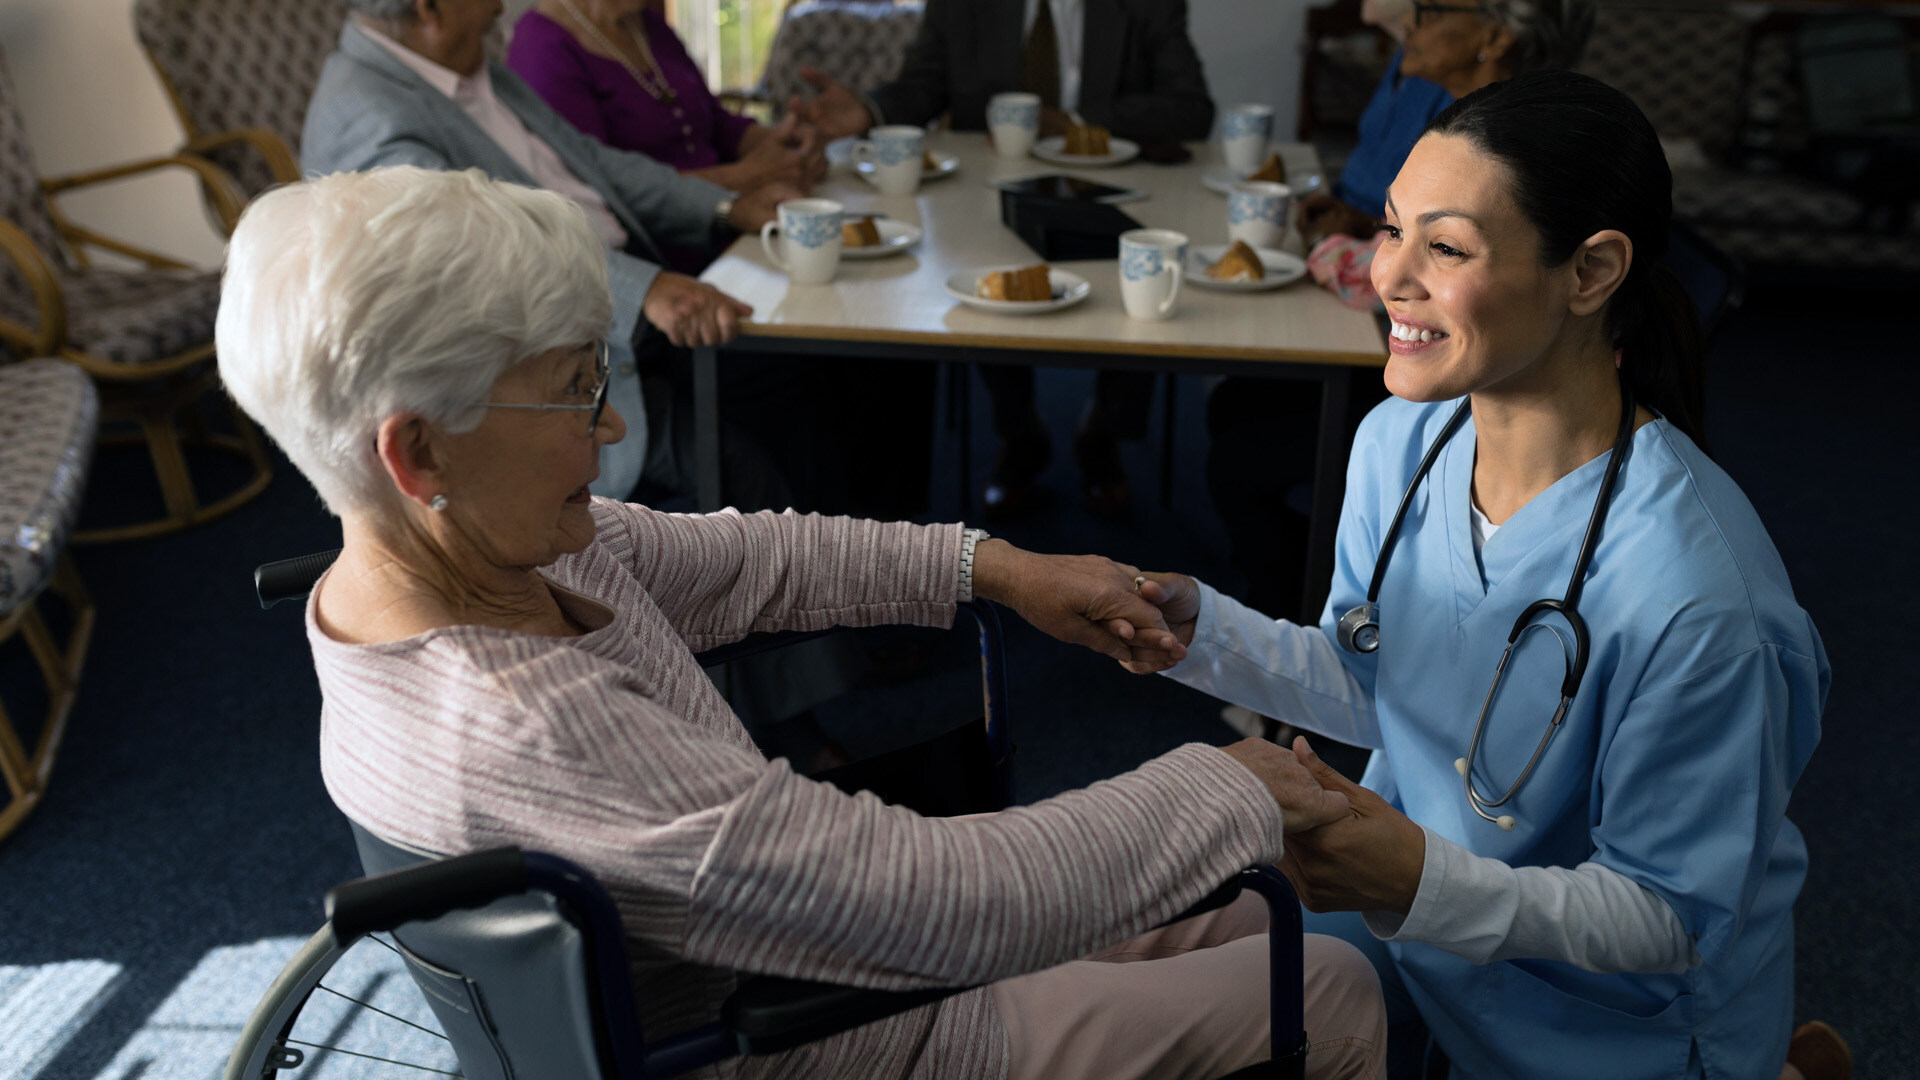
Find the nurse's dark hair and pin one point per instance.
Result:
(1582, 158)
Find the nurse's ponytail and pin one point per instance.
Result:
(1583, 158)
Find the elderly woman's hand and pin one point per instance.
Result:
(1370, 859)
(1304, 804)
(1178, 598)
(1082, 599)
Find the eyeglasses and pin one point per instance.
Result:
(1420, 11)
(602, 368)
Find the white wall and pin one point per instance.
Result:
(1252, 52)
(91, 99)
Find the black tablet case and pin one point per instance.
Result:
(1065, 231)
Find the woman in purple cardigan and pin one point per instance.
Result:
(618, 72)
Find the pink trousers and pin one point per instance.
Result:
(1190, 1002)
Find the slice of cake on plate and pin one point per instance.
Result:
(1273, 170)
(1240, 263)
(1087, 140)
(1026, 284)
(859, 232)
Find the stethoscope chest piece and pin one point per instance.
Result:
(1359, 629)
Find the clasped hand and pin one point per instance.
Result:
(1081, 599)
(1367, 859)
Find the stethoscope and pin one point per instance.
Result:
(1359, 629)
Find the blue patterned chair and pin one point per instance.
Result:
(48, 412)
(240, 72)
(860, 42)
(146, 336)
(1711, 75)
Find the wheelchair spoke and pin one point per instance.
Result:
(371, 1057)
(381, 1011)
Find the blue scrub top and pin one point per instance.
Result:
(1401, 107)
(1700, 706)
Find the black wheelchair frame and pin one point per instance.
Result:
(765, 1014)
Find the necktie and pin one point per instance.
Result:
(1040, 68)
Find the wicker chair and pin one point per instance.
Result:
(48, 411)
(239, 74)
(146, 336)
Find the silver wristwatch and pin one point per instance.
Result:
(969, 539)
(724, 210)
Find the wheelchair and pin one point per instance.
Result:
(521, 959)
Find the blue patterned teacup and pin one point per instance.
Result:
(1245, 131)
(1152, 263)
(1013, 120)
(1257, 212)
(810, 235)
(893, 156)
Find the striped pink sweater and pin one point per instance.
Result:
(614, 750)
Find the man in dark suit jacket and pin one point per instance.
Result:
(1126, 65)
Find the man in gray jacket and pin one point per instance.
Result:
(411, 85)
(1126, 65)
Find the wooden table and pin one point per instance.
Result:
(897, 307)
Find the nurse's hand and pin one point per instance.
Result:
(1304, 804)
(1178, 598)
(1370, 860)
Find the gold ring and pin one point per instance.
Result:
(1139, 581)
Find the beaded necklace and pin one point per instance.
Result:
(653, 80)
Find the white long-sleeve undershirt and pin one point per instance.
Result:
(1590, 916)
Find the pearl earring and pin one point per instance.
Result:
(1482, 58)
(438, 502)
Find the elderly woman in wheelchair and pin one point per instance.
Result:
(507, 660)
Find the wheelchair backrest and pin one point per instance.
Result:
(509, 982)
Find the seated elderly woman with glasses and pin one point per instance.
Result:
(505, 659)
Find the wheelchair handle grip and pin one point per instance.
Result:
(426, 891)
(290, 579)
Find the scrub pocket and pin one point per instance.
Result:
(1587, 1025)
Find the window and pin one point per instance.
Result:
(729, 39)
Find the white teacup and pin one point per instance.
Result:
(1257, 212)
(894, 151)
(1245, 131)
(810, 237)
(1152, 265)
(1014, 121)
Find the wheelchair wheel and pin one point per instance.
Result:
(342, 1011)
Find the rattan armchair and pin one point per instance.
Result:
(145, 336)
(239, 74)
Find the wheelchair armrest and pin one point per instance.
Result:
(425, 891)
(767, 1015)
(1227, 893)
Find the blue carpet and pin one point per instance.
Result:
(186, 841)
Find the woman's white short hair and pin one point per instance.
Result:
(358, 296)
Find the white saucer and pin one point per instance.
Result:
(895, 237)
(1282, 269)
(1069, 289)
(944, 165)
(1052, 149)
(1222, 180)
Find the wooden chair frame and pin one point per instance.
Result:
(26, 774)
(150, 396)
(280, 159)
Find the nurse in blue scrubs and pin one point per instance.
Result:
(1615, 897)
